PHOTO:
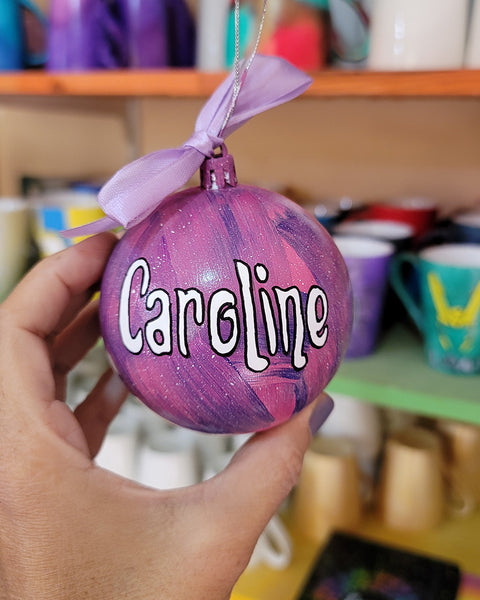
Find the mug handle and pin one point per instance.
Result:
(35, 59)
(460, 501)
(365, 22)
(277, 551)
(398, 284)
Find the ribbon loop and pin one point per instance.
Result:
(137, 189)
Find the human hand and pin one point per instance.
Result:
(71, 530)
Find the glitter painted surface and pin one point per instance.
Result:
(226, 311)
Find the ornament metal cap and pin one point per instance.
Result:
(218, 171)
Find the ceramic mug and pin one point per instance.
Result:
(417, 488)
(361, 423)
(168, 459)
(329, 492)
(411, 493)
(182, 34)
(118, 452)
(147, 33)
(212, 21)
(417, 35)
(392, 231)
(14, 51)
(447, 311)
(57, 211)
(87, 34)
(368, 262)
(350, 22)
(467, 227)
(462, 455)
(472, 52)
(14, 242)
(327, 216)
(417, 212)
(463, 227)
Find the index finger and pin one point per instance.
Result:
(55, 289)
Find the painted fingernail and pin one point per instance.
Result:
(320, 413)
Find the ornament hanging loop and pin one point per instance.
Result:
(219, 171)
(240, 74)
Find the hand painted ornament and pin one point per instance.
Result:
(225, 308)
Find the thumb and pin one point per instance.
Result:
(265, 469)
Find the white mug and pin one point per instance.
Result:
(118, 452)
(472, 52)
(361, 423)
(14, 242)
(274, 546)
(212, 20)
(168, 459)
(417, 34)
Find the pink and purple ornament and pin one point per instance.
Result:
(228, 309)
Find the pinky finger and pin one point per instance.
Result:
(99, 409)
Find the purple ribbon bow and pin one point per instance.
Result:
(137, 189)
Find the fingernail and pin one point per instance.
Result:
(320, 413)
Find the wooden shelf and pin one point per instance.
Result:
(191, 83)
(397, 376)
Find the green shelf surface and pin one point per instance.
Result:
(398, 376)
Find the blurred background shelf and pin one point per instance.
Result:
(454, 540)
(398, 376)
(193, 83)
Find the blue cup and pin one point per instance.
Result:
(463, 228)
(14, 53)
(467, 226)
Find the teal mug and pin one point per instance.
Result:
(444, 303)
(17, 30)
(350, 24)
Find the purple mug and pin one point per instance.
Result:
(161, 34)
(87, 34)
(147, 33)
(112, 34)
(368, 263)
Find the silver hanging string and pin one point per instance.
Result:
(240, 74)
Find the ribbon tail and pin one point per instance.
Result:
(270, 82)
(140, 187)
(103, 224)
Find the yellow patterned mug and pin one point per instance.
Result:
(60, 210)
(444, 303)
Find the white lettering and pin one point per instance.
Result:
(133, 343)
(317, 330)
(184, 297)
(222, 307)
(284, 298)
(253, 360)
(223, 317)
(161, 325)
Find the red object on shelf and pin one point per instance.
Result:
(299, 37)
